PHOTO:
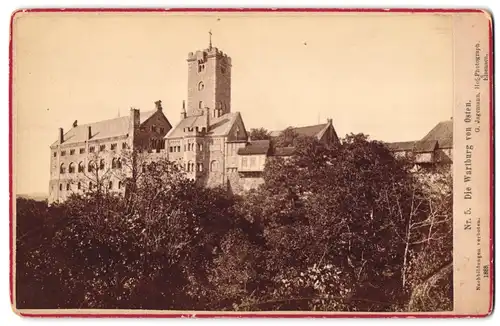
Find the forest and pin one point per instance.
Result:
(346, 227)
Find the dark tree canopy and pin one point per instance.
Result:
(344, 227)
(260, 134)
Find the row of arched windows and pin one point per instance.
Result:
(193, 167)
(91, 186)
(116, 163)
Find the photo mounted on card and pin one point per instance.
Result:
(251, 163)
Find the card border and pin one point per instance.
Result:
(255, 314)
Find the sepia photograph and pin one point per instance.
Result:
(251, 162)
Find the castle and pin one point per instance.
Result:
(210, 141)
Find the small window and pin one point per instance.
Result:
(55, 154)
(153, 128)
(91, 166)
(71, 167)
(101, 165)
(62, 169)
(214, 166)
(82, 150)
(102, 148)
(91, 185)
(170, 149)
(201, 86)
(124, 145)
(162, 130)
(111, 185)
(252, 161)
(244, 161)
(63, 153)
(68, 186)
(91, 149)
(79, 185)
(178, 148)
(113, 146)
(60, 186)
(71, 152)
(81, 167)
(200, 105)
(119, 185)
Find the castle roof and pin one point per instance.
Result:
(441, 136)
(219, 126)
(442, 133)
(101, 129)
(401, 146)
(310, 131)
(256, 147)
(283, 151)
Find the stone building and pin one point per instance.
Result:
(89, 154)
(210, 140)
(436, 147)
(209, 134)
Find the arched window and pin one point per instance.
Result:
(113, 164)
(111, 185)
(68, 186)
(119, 185)
(90, 185)
(200, 167)
(60, 186)
(200, 105)
(62, 169)
(71, 167)
(81, 167)
(91, 166)
(79, 185)
(119, 163)
(201, 86)
(190, 166)
(214, 166)
(101, 164)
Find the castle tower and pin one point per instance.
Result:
(209, 82)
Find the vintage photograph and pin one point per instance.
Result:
(234, 161)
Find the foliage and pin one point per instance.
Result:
(346, 227)
(259, 134)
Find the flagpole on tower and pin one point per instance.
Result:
(210, 39)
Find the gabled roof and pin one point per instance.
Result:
(443, 133)
(425, 146)
(220, 126)
(102, 129)
(284, 151)
(256, 147)
(310, 131)
(401, 146)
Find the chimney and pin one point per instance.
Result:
(183, 112)
(89, 133)
(61, 135)
(158, 105)
(329, 121)
(207, 114)
(134, 123)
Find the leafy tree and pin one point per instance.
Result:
(259, 134)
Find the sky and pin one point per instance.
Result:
(385, 75)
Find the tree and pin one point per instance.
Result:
(259, 134)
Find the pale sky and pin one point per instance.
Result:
(386, 75)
